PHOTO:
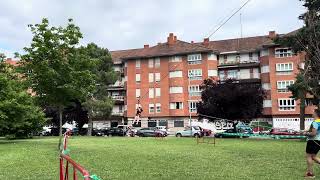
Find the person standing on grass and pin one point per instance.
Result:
(313, 144)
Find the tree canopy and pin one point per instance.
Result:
(231, 100)
(19, 116)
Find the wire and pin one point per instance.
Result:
(229, 18)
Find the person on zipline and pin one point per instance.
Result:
(313, 144)
(138, 115)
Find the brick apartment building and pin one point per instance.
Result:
(166, 79)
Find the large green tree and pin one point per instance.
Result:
(19, 116)
(54, 69)
(306, 40)
(98, 104)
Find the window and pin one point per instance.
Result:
(266, 86)
(163, 123)
(152, 123)
(232, 74)
(309, 102)
(138, 92)
(138, 78)
(238, 58)
(267, 103)
(265, 69)
(194, 59)
(212, 73)
(150, 63)
(173, 90)
(282, 86)
(158, 92)
(157, 63)
(151, 77)
(178, 123)
(194, 90)
(174, 74)
(151, 108)
(175, 59)
(158, 77)
(250, 56)
(283, 52)
(158, 107)
(284, 68)
(222, 75)
(193, 106)
(176, 105)
(195, 74)
(138, 63)
(287, 104)
(225, 57)
(151, 93)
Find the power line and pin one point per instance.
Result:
(228, 18)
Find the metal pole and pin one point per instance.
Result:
(189, 102)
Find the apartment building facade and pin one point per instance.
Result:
(164, 79)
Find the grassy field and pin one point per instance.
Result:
(148, 158)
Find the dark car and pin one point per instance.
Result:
(222, 135)
(115, 132)
(150, 132)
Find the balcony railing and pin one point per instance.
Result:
(238, 77)
(225, 62)
(117, 113)
(117, 84)
(117, 97)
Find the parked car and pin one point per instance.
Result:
(194, 131)
(115, 131)
(283, 131)
(150, 132)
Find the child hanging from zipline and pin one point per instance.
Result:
(138, 114)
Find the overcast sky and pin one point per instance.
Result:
(124, 24)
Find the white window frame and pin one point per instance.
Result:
(138, 78)
(194, 59)
(151, 63)
(175, 74)
(283, 52)
(193, 106)
(157, 77)
(282, 86)
(175, 59)
(138, 93)
(151, 92)
(174, 105)
(195, 74)
(265, 69)
(175, 89)
(284, 67)
(194, 90)
(212, 72)
(138, 63)
(157, 62)
(151, 77)
(286, 104)
(158, 92)
(158, 108)
(151, 108)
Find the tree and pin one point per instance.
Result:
(231, 100)
(53, 68)
(98, 103)
(306, 41)
(299, 91)
(19, 116)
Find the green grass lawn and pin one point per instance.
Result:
(148, 158)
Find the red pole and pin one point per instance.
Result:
(61, 168)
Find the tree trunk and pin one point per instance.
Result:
(89, 133)
(302, 111)
(60, 120)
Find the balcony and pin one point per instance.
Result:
(117, 97)
(117, 113)
(238, 63)
(118, 85)
(254, 77)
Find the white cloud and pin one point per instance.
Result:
(122, 24)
